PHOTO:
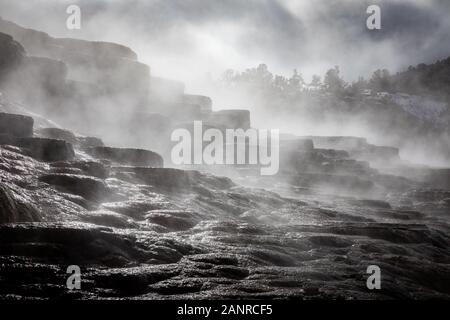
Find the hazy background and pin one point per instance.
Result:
(195, 41)
(192, 39)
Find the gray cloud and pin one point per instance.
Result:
(187, 38)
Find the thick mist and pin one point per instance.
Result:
(187, 40)
(196, 41)
(227, 150)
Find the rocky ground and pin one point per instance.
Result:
(139, 230)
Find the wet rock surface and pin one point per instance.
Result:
(87, 167)
(138, 230)
(13, 208)
(147, 233)
(88, 187)
(141, 231)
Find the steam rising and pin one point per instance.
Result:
(195, 41)
(187, 39)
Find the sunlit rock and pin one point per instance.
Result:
(183, 180)
(135, 209)
(109, 219)
(88, 187)
(14, 208)
(332, 182)
(173, 220)
(87, 142)
(90, 168)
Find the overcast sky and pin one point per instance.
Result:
(185, 39)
